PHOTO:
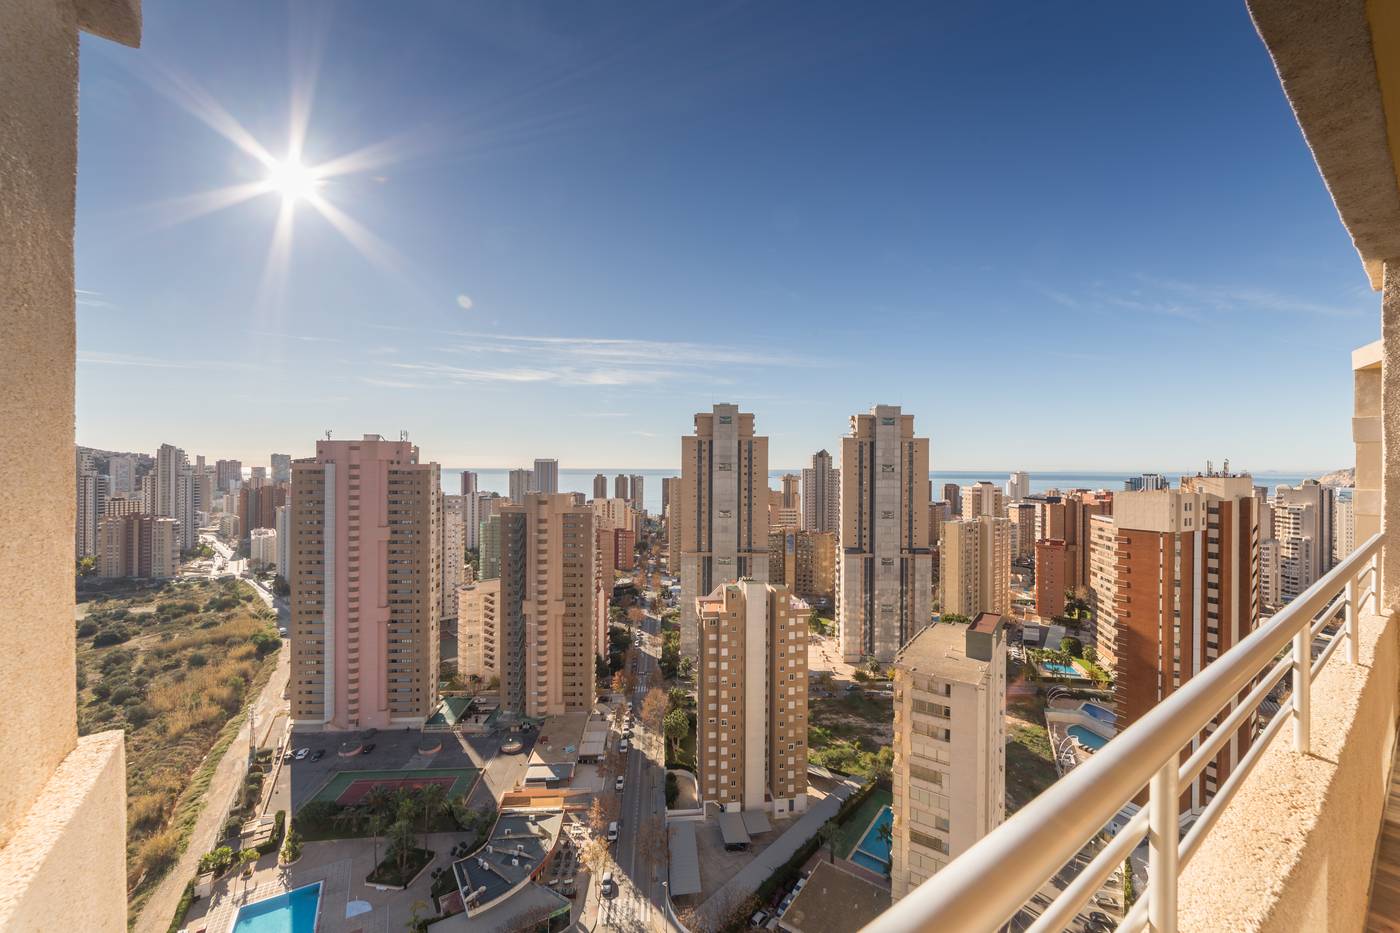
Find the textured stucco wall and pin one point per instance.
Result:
(38, 158)
(1390, 426)
(65, 868)
(1294, 849)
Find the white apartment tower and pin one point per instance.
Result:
(885, 586)
(1343, 529)
(1018, 486)
(92, 492)
(949, 771)
(723, 503)
(821, 495)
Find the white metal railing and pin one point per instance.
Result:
(989, 883)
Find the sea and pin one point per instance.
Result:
(582, 480)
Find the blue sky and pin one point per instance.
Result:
(1064, 236)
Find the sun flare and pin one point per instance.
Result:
(292, 180)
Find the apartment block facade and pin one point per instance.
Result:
(479, 631)
(723, 505)
(546, 611)
(134, 544)
(821, 495)
(983, 498)
(949, 775)
(804, 562)
(1186, 589)
(365, 573)
(974, 573)
(751, 745)
(885, 586)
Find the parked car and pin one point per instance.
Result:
(759, 918)
(367, 749)
(318, 754)
(609, 886)
(301, 753)
(622, 746)
(618, 783)
(612, 834)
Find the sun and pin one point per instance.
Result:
(292, 180)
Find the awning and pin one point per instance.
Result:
(731, 827)
(756, 822)
(685, 860)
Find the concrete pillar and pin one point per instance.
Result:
(62, 802)
(1389, 481)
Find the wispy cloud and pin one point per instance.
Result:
(391, 383)
(1149, 295)
(96, 358)
(562, 375)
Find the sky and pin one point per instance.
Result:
(1077, 236)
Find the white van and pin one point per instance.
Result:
(612, 831)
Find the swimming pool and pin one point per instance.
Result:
(1064, 670)
(873, 851)
(1091, 740)
(292, 912)
(1101, 713)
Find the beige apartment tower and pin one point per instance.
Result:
(974, 574)
(751, 746)
(723, 510)
(885, 589)
(804, 562)
(478, 631)
(949, 775)
(546, 605)
(366, 569)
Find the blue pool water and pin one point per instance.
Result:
(1101, 713)
(873, 852)
(293, 912)
(1092, 740)
(868, 862)
(1067, 670)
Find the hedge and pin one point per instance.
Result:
(279, 825)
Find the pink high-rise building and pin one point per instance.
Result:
(365, 574)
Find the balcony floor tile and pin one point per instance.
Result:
(1383, 915)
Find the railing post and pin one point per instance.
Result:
(1302, 689)
(1377, 600)
(1164, 829)
(1351, 609)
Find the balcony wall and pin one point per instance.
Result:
(1294, 849)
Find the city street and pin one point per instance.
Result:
(639, 904)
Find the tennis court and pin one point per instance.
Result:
(348, 788)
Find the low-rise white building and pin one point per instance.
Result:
(949, 746)
(262, 549)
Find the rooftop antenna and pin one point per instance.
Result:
(328, 435)
(403, 435)
(1227, 466)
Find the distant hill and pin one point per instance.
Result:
(1343, 477)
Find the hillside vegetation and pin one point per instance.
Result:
(172, 666)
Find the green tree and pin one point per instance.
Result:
(676, 727)
(1072, 647)
(828, 835)
(956, 618)
(432, 800)
(1129, 892)
(401, 839)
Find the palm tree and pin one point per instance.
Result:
(401, 839)
(376, 828)
(432, 799)
(377, 799)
